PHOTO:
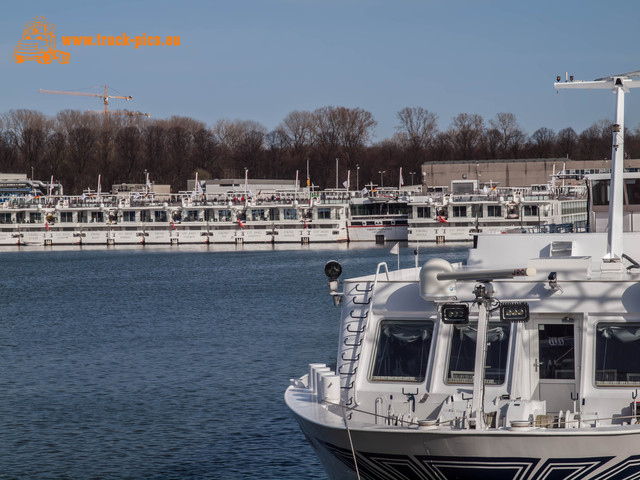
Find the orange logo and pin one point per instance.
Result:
(39, 43)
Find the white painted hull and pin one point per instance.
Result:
(168, 235)
(384, 452)
(389, 233)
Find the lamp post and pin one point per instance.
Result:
(382, 172)
(357, 179)
(412, 174)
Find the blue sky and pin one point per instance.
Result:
(261, 59)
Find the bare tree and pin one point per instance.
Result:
(251, 145)
(595, 141)
(492, 142)
(355, 131)
(30, 130)
(511, 135)
(442, 148)
(80, 129)
(566, 142)
(205, 151)
(298, 131)
(417, 129)
(154, 147)
(342, 132)
(128, 148)
(56, 155)
(277, 143)
(466, 133)
(543, 141)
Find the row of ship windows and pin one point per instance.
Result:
(158, 216)
(478, 211)
(402, 353)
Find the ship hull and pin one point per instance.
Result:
(397, 452)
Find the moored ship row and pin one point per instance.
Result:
(37, 213)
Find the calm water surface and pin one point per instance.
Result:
(165, 363)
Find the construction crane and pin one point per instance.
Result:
(105, 99)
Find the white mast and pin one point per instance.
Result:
(620, 84)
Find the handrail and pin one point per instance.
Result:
(361, 303)
(348, 372)
(357, 344)
(375, 280)
(357, 330)
(366, 290)
(353, 359)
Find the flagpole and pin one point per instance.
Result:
(246, 183)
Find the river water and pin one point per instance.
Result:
(166, 363)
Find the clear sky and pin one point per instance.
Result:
(261, 59)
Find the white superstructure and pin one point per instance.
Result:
(458, 217)
(380, 216)
(101, 219)
(522, 364)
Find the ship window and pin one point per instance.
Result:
(224, 215)
(556, 351)
(424, 212)
(494, 210)
(402, 351)
(324, 213)
(462, 357)
(617, 361)
(191, 216)
(258, 214)
(66, 217)
(459, 211)
(530, 210)
(129, 216)
(600, 192)
(633, 191)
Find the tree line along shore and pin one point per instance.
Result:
(75, 147)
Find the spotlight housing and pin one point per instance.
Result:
(454, 313)
(514, 312)
(333, 270)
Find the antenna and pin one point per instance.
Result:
(620, 84)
